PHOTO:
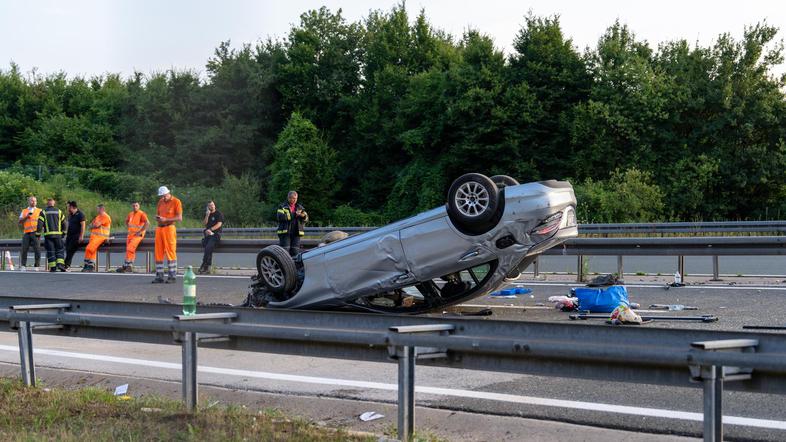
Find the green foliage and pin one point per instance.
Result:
(14, 190)
(627, 196)
(346, 215)
(305, 163)
(237, 198)
(379, 115)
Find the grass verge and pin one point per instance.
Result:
(91, 414)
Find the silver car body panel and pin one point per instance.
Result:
(428, 246)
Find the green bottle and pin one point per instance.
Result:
(189, 292)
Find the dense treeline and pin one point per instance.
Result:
(372, 120)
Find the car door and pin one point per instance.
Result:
(370, 266)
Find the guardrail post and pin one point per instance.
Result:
(26, 361)
(108, 259)
(712, 377)
(190, 371)
(620, 269)
(25, 333)
(2, 259)
(580, 271)
(406, 356)
(536, 268)
(406, 393)
(715, 269)
(189, 341)
(147, 262)
(681, 267)
(98, 261)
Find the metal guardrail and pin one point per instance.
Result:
(584, 229)
(579, 247)
(742, 361)
(684, 227)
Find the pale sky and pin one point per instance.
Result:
(89, 37)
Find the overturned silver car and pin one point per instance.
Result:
(489, 230)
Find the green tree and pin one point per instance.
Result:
(305, 163)
(627, 196)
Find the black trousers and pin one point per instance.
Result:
(30, 239)
(55, 250)
(291, 242)
(71, 247)
(209, 243)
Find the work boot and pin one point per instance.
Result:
(61, 267)
(203, 270)
(52, 269)
(158, 280)
(121, 269)
(88, 268)
(171, 280)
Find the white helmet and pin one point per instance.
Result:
(163, 190)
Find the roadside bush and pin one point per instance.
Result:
(348, 216)
(116, 185)
(237, 198)
(626, 197)
(14, 190)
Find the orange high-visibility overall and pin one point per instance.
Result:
(166, 234)
(97, 235)
(135, 221)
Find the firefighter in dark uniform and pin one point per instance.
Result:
(292, 219)
(52, 224)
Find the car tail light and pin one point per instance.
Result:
(548, 225)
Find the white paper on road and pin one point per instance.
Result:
(121, 390)
(370, 416)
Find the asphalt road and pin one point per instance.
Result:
(653, 408)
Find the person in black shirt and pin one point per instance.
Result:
(75, 233)
(214, 220)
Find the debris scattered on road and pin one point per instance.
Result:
(672, 307)
(624, 315)
(503, 294)
(564, 303)
(764, 327)
(511, 293)
(601, 300)
(702, 318)
(370, 416)
(604, 281)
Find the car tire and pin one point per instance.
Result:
(472, 202)
(277, 269)
(503, 181)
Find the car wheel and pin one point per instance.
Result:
(472, 201)
(277, 269)
(503, 181)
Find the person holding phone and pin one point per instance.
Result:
(213, 222)
(28, 219)
(292, 219)
(168, 212)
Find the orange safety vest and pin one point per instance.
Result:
(103, 229)
(31, 224)
(136, 221)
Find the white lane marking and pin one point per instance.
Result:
(501, 397)
(650, 286)
(148, 275)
